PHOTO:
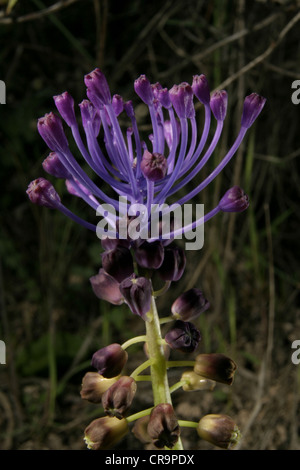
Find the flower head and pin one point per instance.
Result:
(142, 173)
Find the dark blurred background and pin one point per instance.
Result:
(249, 267)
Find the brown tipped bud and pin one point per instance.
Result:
(118, 262)
(173, 264)
(190, 305)
(220, 430)
(216, 367)
(106, 287)
(118, 398)
(94, 385)
(137, 293)
(140, 430)
(109, 361)
(104, 433)
(194, 382)
(150, 255)
(163, 426)
(184, 337)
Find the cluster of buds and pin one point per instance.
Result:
(144, 173)
(113, 391)
(160, 428)
(117, 282)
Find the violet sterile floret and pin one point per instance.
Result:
(201, 89)
(234, 200)
(143, 89)
(65, 107)
(53, 166)
(51, 130)
(253, 106)
(218, 104)
(97, 88)
(181, 97)
(42, 193)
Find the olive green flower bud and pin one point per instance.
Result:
(216, 367)
(163, 426)
(118, 398)
(220, 430)
(196, 382)
(104, 433)
(94, 385)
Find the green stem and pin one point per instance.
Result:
(187, 424)
(138, 415)
(136, 339)
(166, 319)
(177, 385)
(143, 378)
(140, 368)
(161, 291)
(158, 368)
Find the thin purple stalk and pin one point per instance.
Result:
(137, 146)
(75, 217)
(193, 141)
(122, 149)
(154, 122)
(217, 170)
(204, 136)
(120, 187)
(202, 162)
(171, 157)
(111, 148)
(184, 136)
(77, 172)
(98, 155)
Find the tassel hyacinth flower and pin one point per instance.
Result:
(137, 232)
